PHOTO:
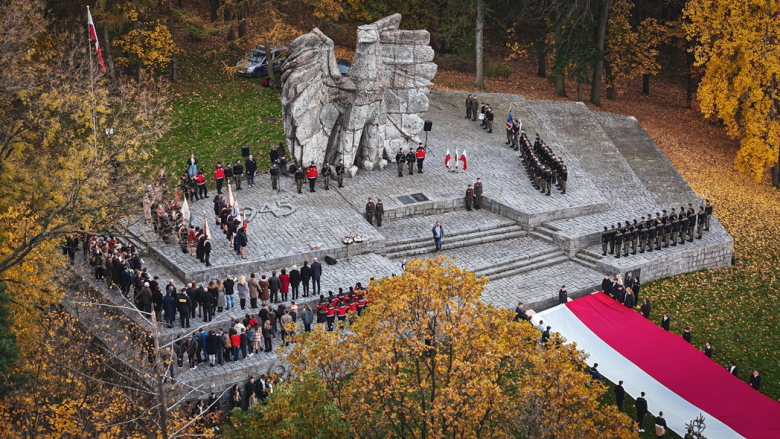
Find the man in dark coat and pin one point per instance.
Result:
(620, 395)
(169, 306)
(204, 297)
(469, 197)
(400, 159)
(606, 284)
(379, 211)
(630, 299)
(340, 170)
(755, 380)
(251, 169)
(665, 320)
(563, 295)
(305, 276)
(238, 173)
(316, 273)
(478, 194)
(641, 411)
(370, 211)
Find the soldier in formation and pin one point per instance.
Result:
(468, 107)
(327, 172)
(410, 159)
(544, 168)
(400, 159)
(340, 169)
(477, 194)
(370, 206)
(469, 197)
(379, 211)
(656, 233)
(474, 108)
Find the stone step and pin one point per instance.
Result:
(525, 259)
(536, 234)
(514, 264)
(427, 246)
(592, 254)
(545, 230)
(587, 257)
(585, 263)
(421, 242)
(545, 261)
(485, 228)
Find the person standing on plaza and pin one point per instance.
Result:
(312, 175)
(228, 285)
(243, 291)
(238, 173)
(340, 169)
(295, 281)
(299, 176)
(370, 211)
(305, 276)
(251, 169)
(410, 159)
(274, 172)
(254, 291)
(468, 107)
(478, 194)
(563, 295)
(400, 159)
(327, 172)
(379, 211)
(469, 197)
(274, 285)
(203, 191)
(438, 235)
(420, 156)
(307, 317)
(219, 177)
(316, 274)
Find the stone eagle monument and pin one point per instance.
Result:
(362, 118)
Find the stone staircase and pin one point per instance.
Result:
(588, 258)
(544, 233)
(511, 267)
(417, 246)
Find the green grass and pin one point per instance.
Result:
(628, 408)
(214, 113)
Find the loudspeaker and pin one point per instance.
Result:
(428, 125)
(330, 261)
(245, 151)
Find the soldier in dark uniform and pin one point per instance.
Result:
(468, 107)
(702, 215)
(659, 237)
(708, 212)
(469, 197)
(612, 232)
(199, 248)
(483, 110)
(370, 211)
(400, 159)
(644, 231)
(410, 159)
(634, 236)
(652, 232)
(691, 221)
(327, 172)
(675, 227)
(478, 194)
(563, 178)
(667, 232)
(626, 238)
(238, 172)
(474, 108)
(340, 169)
(548, 178)
(275, 177)
(604, 240)
(228, 169)
(299, 175)
(618, 242)
(683, 225)
(183, 235)
(379, 210)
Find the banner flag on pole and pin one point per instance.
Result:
(509, 119)
(93, 37)
(186, 212)
(463, 159)
(206, 230)
(447, 159)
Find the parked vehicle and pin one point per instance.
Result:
(343, 66)
(255, 63)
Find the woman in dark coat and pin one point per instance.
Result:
(295, 281)
(212, 344)
(645, 308)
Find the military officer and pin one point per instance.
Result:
(667, 232)
(626, 238)
(634, 236)
(469, 197)
(652, 232)
(410, 159)
(478, 194)
(563, 178)
(275, 177)
(604, 241)
(683, 225)
(691, 222)
(644, 231)
(238, 172)
(675, 227)
(370, 211)
(548, 178)
(468, 107)
(400, 159)
(299, 175)
(474, 108)
(708, 212)
(612, 233)
(659, 237)
(327, 172)
(702, 215)
(340, 169)
(618, 242)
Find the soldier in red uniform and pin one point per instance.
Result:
(331, 309)
(361, 303)
(219, 176)
(341, 311)
(420, 157)
(312, 174)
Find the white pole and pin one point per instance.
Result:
(92, 88)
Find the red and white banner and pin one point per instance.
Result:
(447, 159)
(677, 378)
(93, 37)
(462, 158)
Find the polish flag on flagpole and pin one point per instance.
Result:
(447, 159)
(456, 159)
(206, 230)
(463, 159)
(93, 37)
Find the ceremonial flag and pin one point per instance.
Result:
(509, 119)
(186, 212)
(206, 230)
(702, 198)
(456, 159)
(231, 199)
(93, 37)
(447, 159)
(463, 159)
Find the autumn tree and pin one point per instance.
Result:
(575, 55)
(429, 359)
(741, 59)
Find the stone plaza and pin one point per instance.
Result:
(527, 244)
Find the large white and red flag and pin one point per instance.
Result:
(447, 159)
(462, 158)
(93, 37)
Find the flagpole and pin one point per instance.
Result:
(92, 88)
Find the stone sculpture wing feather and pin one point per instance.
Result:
(311, 81)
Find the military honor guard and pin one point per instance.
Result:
(312, 175)
(379, 211)
(410, 159)
(400, 159)
(478, 194)
(340, 169)
(469, 197)
(327, 171)
(370, 211)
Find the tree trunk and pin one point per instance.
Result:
(541, 60)
(690, 85)
(579, 91)
(214, 4)
(480, 79)
(109, 58)
(241, 16)
(160, 372)
(598, 66)
(611, 90)
(646, 84)
(271, 73)
(229, 21)
(174, 63)
(560, 84)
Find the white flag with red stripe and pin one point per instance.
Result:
(447, 159)
(93, 37)
(463, 159)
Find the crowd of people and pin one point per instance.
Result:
(543, 167)
(657, 233)
(483, 112)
